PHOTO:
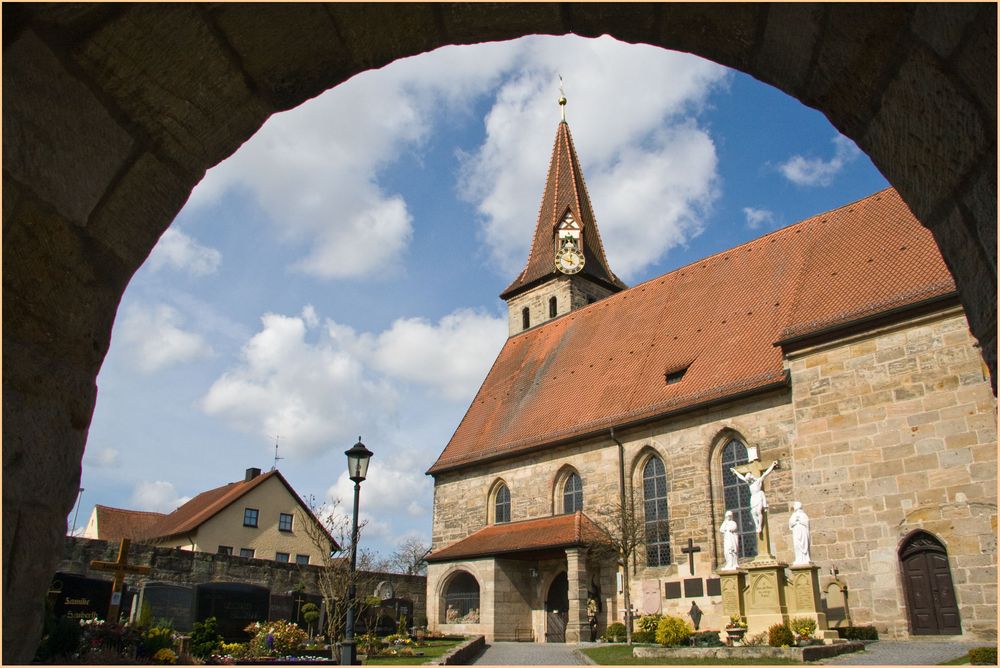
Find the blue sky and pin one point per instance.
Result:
(338, 275)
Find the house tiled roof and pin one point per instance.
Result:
(719, 318)
(206, 505)
(545, 533)
(113, 524)
(564, 190)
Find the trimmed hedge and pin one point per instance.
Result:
(858, 632)
(780, 635)
(983, 656)
(706, 639)
(614, 633)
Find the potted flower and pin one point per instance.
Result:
(803, 628)
(736, 629)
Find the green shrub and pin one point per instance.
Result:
(706, 639)
(155, 639)
(285, 638)
(756, 640)
(614, 633)
(62, 639)
(858, 632)
(648, 623)
(205, 638)
(983, 656)
(804, 627)
(644, 636)
(672, 631)
(780, 635)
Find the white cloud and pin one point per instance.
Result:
(757, 218)
(317, 384)
(102, 458)
(156, 496)
(650, 168)
(179, 251)
(816, 171)
(154, 339)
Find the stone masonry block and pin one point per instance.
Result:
(85, 147)
(941, 26)
(976, 60)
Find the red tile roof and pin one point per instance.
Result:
(605, 365)
(564, 190)
(113, 524)
(545, 533)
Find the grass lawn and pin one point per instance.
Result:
(957, 661)
(431, 649)
(621, 655)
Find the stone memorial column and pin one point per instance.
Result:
(577, 624)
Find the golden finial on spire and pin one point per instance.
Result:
(562, 100)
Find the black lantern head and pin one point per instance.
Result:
(357, 461)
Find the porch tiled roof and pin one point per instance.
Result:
(545, 533)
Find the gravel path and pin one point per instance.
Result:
(529, 654)
(904, 653)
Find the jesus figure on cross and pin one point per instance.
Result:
(758, 501)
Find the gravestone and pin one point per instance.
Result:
(77, 597)
(235, 606)
(282, 607)
(169, 601)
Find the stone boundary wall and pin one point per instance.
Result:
(461, 655)
(810, 653)
(192, 568)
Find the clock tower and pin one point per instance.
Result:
(566, 268)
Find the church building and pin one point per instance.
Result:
(835, 349)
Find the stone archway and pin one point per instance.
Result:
(120, 109)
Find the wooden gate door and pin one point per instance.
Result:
(930, 595)
(557, 609)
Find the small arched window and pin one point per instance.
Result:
(736, 494)
(525, 318)
(654, 497)
(501, 505)
(572, 494)
(552, 307)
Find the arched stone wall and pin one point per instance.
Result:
(114, 112)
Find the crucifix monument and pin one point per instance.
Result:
(119, 568)
(753, 473)
(690, 551)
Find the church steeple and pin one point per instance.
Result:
(567, 260)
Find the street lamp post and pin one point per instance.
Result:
(357, 469)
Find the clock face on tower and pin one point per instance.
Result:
(569, 260)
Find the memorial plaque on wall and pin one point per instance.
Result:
(672, 589)
(694, 587)
(714, 586)
(169, 601)
(77, 597)
(234, 604)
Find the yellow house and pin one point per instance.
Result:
(258, 517)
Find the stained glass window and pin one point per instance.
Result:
(502, 507)
(654, 495)
(573, 494)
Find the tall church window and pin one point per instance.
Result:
(572, 494)
(552, 307)
(501, 508)
(525, 318)
(654, 496)
(737, 495)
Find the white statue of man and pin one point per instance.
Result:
(798, 522)
(758, 502)
(730, 542)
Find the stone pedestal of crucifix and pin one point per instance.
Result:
(119, 568)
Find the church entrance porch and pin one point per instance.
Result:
(557, 609)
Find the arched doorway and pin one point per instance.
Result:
(557, 609)
(930, 595)
(460, 601)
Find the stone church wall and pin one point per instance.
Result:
(896, 431)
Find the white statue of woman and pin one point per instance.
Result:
(798, 522)
(730, 542)
(758, 502)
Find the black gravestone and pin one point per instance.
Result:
(672, 589)
(282, 607)
(693, 587)
(714, 586)
(234, 605)
(168, 601)
(77, 597)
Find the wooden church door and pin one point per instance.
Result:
(557, 609)
(930, 595)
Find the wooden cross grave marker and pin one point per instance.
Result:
(690, 551)
(119, 568)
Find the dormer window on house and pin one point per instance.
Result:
(250, 517)
(285, 522)
(675, 376)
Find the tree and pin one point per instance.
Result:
(622, 533)
(330, 531)
(410, 557)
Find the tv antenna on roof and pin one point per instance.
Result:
(276, 457)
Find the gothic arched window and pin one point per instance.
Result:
(737, 495)
(572, 494)
(654, 496)
(501, 505)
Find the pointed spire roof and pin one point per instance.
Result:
(564, 191)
